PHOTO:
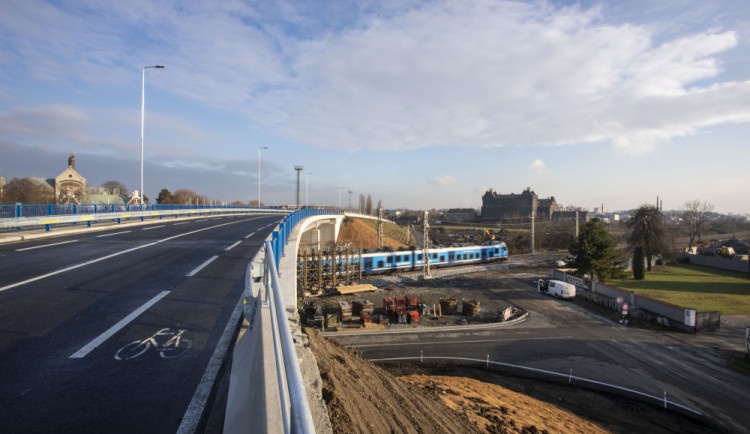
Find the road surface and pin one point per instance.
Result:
(71, 306)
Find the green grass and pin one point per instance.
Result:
(694, 286)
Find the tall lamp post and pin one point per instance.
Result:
(262, 147)
(143, 107)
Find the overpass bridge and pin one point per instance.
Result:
(267, 353)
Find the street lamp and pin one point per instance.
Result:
(262, 147)
(143, 106)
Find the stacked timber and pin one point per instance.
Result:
(448, 306)
(360, 307)
(345, 311)
(352, 289)
(471, 308)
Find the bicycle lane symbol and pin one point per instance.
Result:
(176, 346)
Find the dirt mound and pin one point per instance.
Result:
(362, 397)
(363, 234)
(496, 409)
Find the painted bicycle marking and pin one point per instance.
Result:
(176, 346)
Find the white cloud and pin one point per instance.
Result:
(444, 180)
(442, 73)
(537, 166)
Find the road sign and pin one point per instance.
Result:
(625, 308)
(619, 300)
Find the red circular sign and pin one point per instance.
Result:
(619, 299)
(625, 306)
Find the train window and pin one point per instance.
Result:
(388, 259)
(380, 264)
(419, 257)
(434, 256)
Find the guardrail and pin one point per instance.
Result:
(293, 396)
(271, 410)
(560, 378)
(25, 216)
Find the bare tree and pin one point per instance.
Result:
(368, 206)
(695, 218)
(27, 191)
(115, 187)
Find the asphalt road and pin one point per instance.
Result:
(71, 306)
(560, 336)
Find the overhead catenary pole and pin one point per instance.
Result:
(532, 232)
(143, 117)
(426, 246)
(380, 228)
(298, 169)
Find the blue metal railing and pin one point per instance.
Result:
(280, 236)
(41, 210)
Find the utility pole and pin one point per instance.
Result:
(380, 228)
(298, 169)
(532, 232)
(576, 224)
(350, 200)
(426, 247)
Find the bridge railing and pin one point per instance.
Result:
(25, 216)
(267, 345)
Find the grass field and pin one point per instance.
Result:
(694, 286)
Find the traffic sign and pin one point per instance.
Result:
(625, 306)
(619, 300)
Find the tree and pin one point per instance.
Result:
(115, 187)
(695, 216)
(648, 230)
(164, 197)
(184, 196)
(639, 271)
(368, 206)
(27, 191)
(595, 253)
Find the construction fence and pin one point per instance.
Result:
(641, 306)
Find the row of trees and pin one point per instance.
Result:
(595, 252)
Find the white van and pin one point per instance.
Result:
(556, 288)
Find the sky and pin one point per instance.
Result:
(419, 104)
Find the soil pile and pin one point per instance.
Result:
(362, 397)
(496, 409)
(363, 234)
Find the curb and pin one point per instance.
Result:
(436, 329)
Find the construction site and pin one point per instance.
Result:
(336, 295)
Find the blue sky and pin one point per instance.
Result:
(420, 104)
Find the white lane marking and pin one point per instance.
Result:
(249, 235)
(93, 261)
(117, 327)
(232, 246)
(201, 266)
(154, 227)
(116, 233)
(183, 223)
(46, 245)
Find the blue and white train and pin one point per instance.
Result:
(385, 262)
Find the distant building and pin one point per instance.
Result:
(506, 206)
(583, 216)
(70, 186)
(461, 214)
